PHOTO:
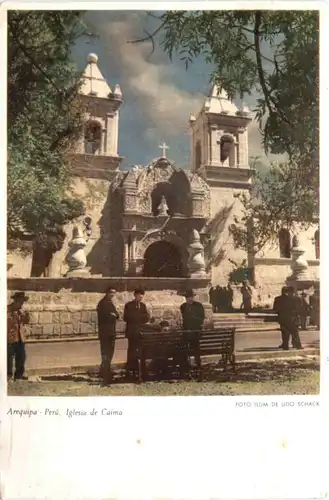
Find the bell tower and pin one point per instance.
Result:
(96, 154)
(219, 141)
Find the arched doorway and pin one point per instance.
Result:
(162, 260)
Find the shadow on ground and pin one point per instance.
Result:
(245, 372)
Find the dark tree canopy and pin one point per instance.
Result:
(44, 120)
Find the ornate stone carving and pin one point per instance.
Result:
(139, 183)
(196, 262)
(200, 194)
(76, 258)
(144, 205)
(130, 202)
(117, 181)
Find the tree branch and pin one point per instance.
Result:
(149, 36)
(35, 64)
(260, 69)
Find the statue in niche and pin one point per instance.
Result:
(162, 207)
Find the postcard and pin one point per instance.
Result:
(162, 173)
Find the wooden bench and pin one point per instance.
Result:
(219, 341)
(155, 345)
(182, 344)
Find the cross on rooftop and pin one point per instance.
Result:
(164, 147)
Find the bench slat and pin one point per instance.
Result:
(210, 337)
(157, 344)
(215, 343)
(207, 350)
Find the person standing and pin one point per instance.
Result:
(278, 308)
(160, 365)
(135, 315)
(230, 296)
(193, 317)
(212, 294)
(315, 308)
(246, 293)
(107, 316)
(295, 311)
(17, 318)
(287, 308)
(217, 298)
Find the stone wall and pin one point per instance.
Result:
(63, 308)
(271, 275)
(224, 206)
(19, 263)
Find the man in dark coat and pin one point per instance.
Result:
(315, 308)
(218, 298)
(193, 316)
(230, 297)
(17, 318)
(212, 294)
(287, 307)
(107, 316)
(135, 315)
(246, 293)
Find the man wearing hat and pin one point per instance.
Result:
(193, 316)
(286, 306)
(107, 316)
(17, 318)
(135, 315)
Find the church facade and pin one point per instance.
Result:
(159, 220)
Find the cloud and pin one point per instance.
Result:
(150, 80)
(146, 78)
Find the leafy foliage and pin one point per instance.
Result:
(273, 54)
(44, 121)
(240, 272)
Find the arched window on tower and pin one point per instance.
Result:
(93, 137)
(227, 150)
(317, 243)
(285, 243)
(197, 155)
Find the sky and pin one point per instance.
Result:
(159, 94)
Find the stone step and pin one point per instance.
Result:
(242, 323)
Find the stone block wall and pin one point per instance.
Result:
(224, 207)
(67, 314)
(19, 263)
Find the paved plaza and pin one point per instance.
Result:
(50, 357)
